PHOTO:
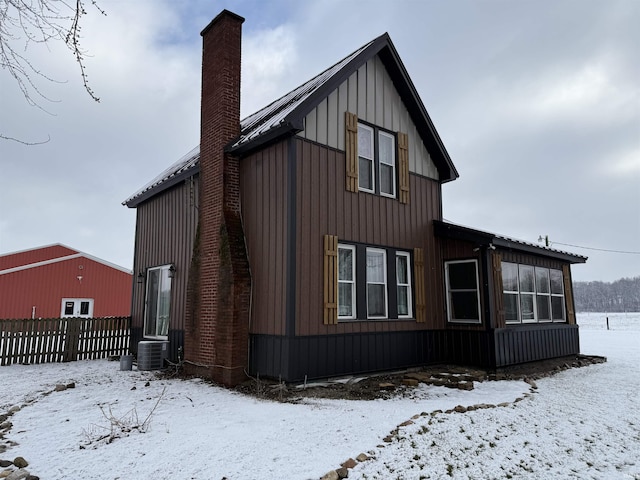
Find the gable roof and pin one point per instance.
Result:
(486, 239)
(46, 255)
(286, 116)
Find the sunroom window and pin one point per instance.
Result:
(532, 294)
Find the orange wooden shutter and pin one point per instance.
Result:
(330, 279)
(403, 167)
(418, 270)
(351, 150)
(568, 294)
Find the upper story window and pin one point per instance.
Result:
(532, 294)
(376, 161)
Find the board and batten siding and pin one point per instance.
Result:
(370, 94)
(263, 186)
(324, 206)
(165, 231)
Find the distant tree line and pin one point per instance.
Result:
(620, 296)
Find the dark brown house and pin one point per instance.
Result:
(307, 240)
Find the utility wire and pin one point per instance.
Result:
(598, 249)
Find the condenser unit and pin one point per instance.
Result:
(151, 354)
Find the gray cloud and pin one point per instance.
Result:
(537, 103)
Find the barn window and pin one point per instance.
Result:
(157, 302)
(77, 307)
(463, 297)
(532, 294)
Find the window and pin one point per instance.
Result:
(373, 283)
(376, 161)
(158, 302)
(403, 282)
(366, 170)
(532, 294)
(77, 307)
(557, 296)
(376, 283)
(463, 298)
(346, 281)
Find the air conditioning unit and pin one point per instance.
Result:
(151, 354)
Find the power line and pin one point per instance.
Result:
(597, 249)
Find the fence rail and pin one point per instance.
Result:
(48, 340)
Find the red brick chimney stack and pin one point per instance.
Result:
(217, 335)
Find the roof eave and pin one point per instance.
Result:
(161, 187)
(486, 239)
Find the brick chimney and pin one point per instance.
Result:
(217, 327)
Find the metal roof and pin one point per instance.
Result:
(286, 114)
(460, 232)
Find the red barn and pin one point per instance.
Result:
(57, 281)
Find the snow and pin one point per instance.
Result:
(581, 423)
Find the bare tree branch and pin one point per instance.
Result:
(26, 22)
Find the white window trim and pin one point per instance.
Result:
(542, 294)
(408, 284)
(561, 295)
(353, 282)
(477, 290)
(384, 276)
(528, 293)
(146, 299)
(392, 165)
(76, 301)
(514, 292)
(372, 160)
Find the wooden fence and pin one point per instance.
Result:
(63, 339)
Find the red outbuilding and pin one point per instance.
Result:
(56, 281)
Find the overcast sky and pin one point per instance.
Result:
(537, 102)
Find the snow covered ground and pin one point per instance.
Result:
(581, 423)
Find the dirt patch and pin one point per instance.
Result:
(401, 383)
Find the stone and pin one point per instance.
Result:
(504, 404)
(363, 457)
(465, 385)
(419, 376)
(60, 388)
(388, 439)
(410, 382)
(14, 409)
(387, 386)
(32, 477)
(18, 475)
(460, 409)
(531, 383)
(349, 463)
(342, 472)
(5, 463)
(332, 475)
(406, 423)
(71, 385)
(6, 426)
(5, 473)
(20, 462)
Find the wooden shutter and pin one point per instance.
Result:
(403, 167)
(418, 270)
(330, 279)
(498, 289)
(351, 150)
(568, 294)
